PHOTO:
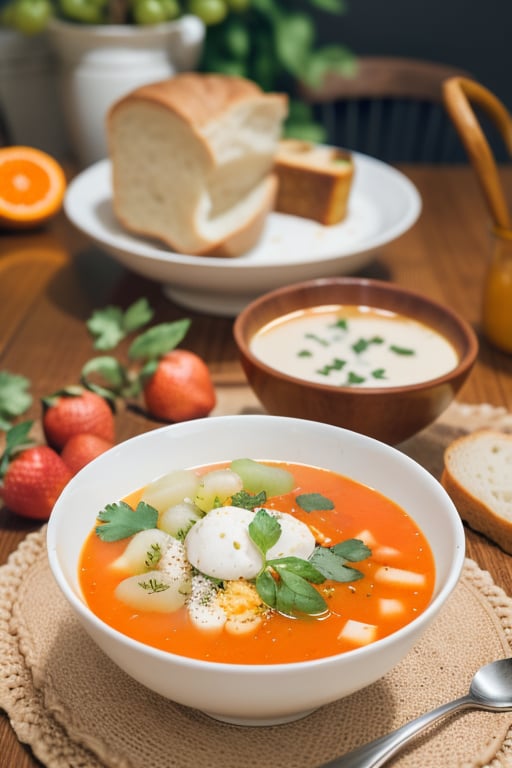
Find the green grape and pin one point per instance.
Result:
(171, 9)
(238, 6)
(87, 11)
(30, 16)
(209, 11)
(237, 39)
(149, 12)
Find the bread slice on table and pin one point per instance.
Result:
(192, 161)
(478, 477)
(314, 181)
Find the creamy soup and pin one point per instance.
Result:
(256, 563)
(354, 346)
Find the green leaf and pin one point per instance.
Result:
(266, 587)
(106, 327)
(111, 325)
(331, 6)
(311, 502)
(330, 58)
(16, 439)
(114, 377)
(14, 397)
(401, 350)
(352, 549)
(119, 520)
(294, 37)
(332, 566)
(299, 567)
(264, 530)
(296, 595)
(159, 340)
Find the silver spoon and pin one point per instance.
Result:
(490, 689)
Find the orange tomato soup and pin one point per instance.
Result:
(359, 512)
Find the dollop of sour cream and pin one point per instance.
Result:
(219, 545)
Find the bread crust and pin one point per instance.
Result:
(199, 98)
(313, 183)
(478, 514)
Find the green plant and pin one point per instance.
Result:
(269, 41)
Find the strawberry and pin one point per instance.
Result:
(81, 449)
(180, 388)
(73, 411)
(33, 475)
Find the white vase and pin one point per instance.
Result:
(29, 100)
(99, 64)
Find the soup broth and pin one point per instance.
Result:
(395, 583)
(354, 346)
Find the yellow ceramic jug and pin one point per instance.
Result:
(459, 94)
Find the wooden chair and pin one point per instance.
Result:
(391, 108)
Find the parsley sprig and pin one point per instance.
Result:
(119, 520)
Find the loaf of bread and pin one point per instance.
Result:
(314, 181)
(192, 161)
(478, 477)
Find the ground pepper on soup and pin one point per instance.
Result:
(256, 562)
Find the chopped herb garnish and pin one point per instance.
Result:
(336, 365)
(153, 556)
(401, 350)
(304, 353)
(247, 500)
(314, 337)
(311, 502)
(120, 521)
(361, 345)
(354, 378)
(379, 373)
(152, 586)
(341, 323)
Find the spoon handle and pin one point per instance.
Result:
(376, 753)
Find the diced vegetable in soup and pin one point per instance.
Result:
(354, 346)
(256, 562)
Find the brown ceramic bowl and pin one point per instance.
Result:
(390, 414)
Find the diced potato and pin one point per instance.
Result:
(258, 477)
(385, 553)
(143, 551)
(367, 538)
(390, 607)
(178, 519)
(152, 591)
(358, 633)
(170, 489)
(398, 577)
(215, 487)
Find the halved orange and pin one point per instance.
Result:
(32, 186)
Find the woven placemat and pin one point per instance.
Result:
(76, 709)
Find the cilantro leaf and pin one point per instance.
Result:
(110, 325)
(352, 549)
(14, 397)
(310, 502)
(264, 530)
(120, 521)
(332, 566)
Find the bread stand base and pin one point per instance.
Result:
(220, 304)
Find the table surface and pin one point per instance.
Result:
(52, 279)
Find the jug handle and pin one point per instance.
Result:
(458, 93)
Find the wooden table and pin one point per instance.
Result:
(51, 280)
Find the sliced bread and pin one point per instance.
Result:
(478, 477)
(314, 181)
(192, 161)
